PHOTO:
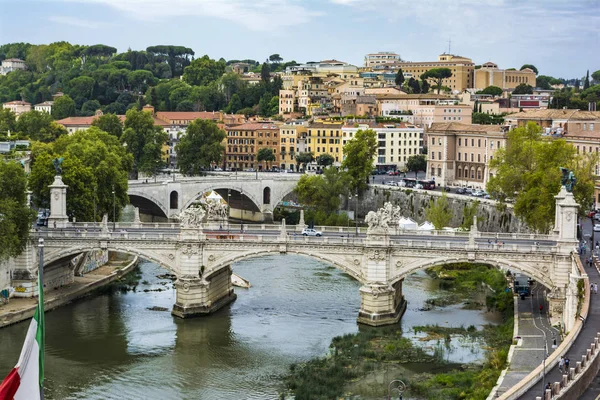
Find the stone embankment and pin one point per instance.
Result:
(414, 202)
(21, 309)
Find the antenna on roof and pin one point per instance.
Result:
(449, 45)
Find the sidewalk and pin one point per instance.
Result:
(581, 344)
(21, 309)
(536, 338)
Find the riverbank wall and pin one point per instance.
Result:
(492, 217)
(23, 309)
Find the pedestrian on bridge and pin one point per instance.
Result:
(561, 364)
(567, 361)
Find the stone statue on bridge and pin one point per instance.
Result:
(215, 210)
(191, 218)
(379, 221)
(568, 179)
(57, 165)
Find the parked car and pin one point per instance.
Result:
(597, 228)
(392, 183)
(591, 213)
(477, 193)
(447, 189)
(461, 191)
(313, 232)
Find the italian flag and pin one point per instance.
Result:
(25, 380)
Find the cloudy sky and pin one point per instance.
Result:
(562, 38)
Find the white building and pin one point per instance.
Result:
(17, 106)
(12, 64)
(44, 107)
(383, 57)
(396, 142)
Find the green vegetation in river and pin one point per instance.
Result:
(355, 362)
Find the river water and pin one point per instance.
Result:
(112, 346)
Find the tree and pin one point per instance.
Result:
(416, 163)
(200, 147)
(8, 121)
(531, 67)
(322, 192)
(493, 90)
(235, 104)
(399, 78)
(265, 74)
(469, 211)
(438, 212)
(325, 160)
(177, 57)
(413, 84)
(302, 159)
(203, 71)
(265, 154)
(63, 107)
(438, 74)
(144, 141)
(586, 82)
(596, 76)
(94, 163)
(528, 170)
(37, 125)
(109, 123)
(523, 88)
(275, 58)
(358, 161)
(425, 86)
(15, 214)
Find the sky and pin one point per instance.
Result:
(561, 38)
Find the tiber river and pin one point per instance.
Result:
(113, 347)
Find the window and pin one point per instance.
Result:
(472, 157)
(478, 142)
(459, 141)
(472, 142)
(432, 155)
(458, 156)
(440, 141)
(432, 140)
(478, 157)
(439, 155)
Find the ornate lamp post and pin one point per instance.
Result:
(356, 214)
(114, 209)
(228, 208)
(398, 386)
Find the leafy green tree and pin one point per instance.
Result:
(265, 154)
(144, 141)
(399, 80)
(89, 108)
(203, 71)
(438, 212)
(523, 88)
(438, 74)
(322, 192)
(425, 86)
(177, 57)
(81, 88)
(200, 147)
(325, 160)
(63, 107)
(8, 121)
(531, 67)
(235, 104)
(596, 76)
(303, 159)
(528, 169)
(275, 58)
(416, 163)
(109, 123)
(15, 214)
(492, 90)
(94, 163)
(39, 126)
(358, 160)
(140, 80)
(469, 211)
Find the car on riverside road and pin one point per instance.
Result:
(311, 232)
(597, 228)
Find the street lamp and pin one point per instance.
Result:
(242, 212)
(398, 386)
(114, 208)
(356, 213)
(228, 208)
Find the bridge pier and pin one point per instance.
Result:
(197, 296)
(381, 304)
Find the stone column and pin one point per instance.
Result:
(301, 223)
(559, 198)
(197, 296)
(137, 223)
(58, 204)
(381, 302)
(567, 218)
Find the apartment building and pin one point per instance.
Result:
(383, 57)
(17, 106)
(459, 154)
(462, 70)
(244, 141)
(12, 64)
(424, 109)
(46, 107)
(490, 75)
(396, 142)
(325, 138)
(289, 135)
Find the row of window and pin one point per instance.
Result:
(466, 142)
(464, 173)
(252, 133)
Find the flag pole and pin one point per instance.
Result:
(41, 313)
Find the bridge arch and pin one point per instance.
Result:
(349, 268)
(500, 263)
(223, 190)
(51, 257)
(147, 204)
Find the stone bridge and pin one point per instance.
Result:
(252, 196)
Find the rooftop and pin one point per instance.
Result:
(253, 126)
(555, 114)
(466, 128)
(189, 115)
(18, 103)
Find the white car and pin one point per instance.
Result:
(597, 228)
(313, 232)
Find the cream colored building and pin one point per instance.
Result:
(459, 154)
(425, 109)
(12, 64)
(490, 75)
(289, 134)
(462, 70)
(17, 106)
(396, 142)
(46, 107)
(383, 57)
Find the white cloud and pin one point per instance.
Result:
(76, 22)
(263, 15)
